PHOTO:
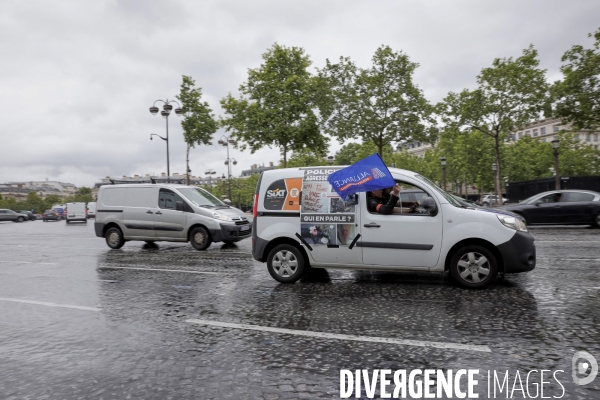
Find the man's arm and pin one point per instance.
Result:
(389, 207)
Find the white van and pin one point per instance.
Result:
(75, 212)
(91, 209)
(300, 223)
(166, 212)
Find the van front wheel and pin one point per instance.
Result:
(114, 238)
(286, 263)
(474, 267)
(199, 238)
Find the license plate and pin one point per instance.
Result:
(245, 228)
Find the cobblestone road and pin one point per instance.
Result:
(80, 321)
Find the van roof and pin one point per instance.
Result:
(167, 185)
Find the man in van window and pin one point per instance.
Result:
(383, 201)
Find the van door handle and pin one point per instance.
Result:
(158, 213)
(372, 225)
(149, 212)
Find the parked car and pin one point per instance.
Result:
(491, 199)
(10, 215)
(50, 215)
(295, 229)
(60, 208)
(91, 209)
(30, 216)
(560, 207)
(76, 212)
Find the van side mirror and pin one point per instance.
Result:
(429, 204)
(179, 206)
(227, 201)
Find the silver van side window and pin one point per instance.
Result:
(167, 199)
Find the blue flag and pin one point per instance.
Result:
(367, 174)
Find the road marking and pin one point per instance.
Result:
(566, 241)
(164, 270)
(569, 259)
(27, 262)
(337, 336)
(44, 303)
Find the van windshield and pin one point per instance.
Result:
(200, 198)
(446, 195)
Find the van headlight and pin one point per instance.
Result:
(512, 222)
(221, 217)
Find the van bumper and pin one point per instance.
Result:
(518, 253)
(230, 233)
(99, 228)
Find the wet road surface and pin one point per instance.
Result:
(81, 321)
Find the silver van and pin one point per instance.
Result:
(166, 212)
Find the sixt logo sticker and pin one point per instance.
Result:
(276, 193)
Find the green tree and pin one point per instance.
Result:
(380, 104)
(347, 154)
(277, 105)
(198, 121)
(539, 158)
(509, 94)
(578, 94)
(577, 157)
(84, 194)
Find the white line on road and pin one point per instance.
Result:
(337, 336)
(566, 241)
(27, 262)
(44, 303)
(164, 270)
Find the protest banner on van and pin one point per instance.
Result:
(325, 218)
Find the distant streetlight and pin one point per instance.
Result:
(167, 107)
(330, 159)
(443, 162)
(210, 172)
(225, 142)
(555, 147)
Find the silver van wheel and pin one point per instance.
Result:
(200, 238)
(286, 263)
(114, 238)
(474, 267)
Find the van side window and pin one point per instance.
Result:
(167, 199)
(411, 198)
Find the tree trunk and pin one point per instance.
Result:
(187, 165)
(284, 156)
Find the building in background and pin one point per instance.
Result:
(257, 169)
(20, 190)
(547, 130)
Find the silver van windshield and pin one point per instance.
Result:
(200, 198)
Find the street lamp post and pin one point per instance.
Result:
(555, 146)
(443, 162)
(210, 172)
(330, 159)
(167, 107)
(225, 141)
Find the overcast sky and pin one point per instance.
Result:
(77, 77)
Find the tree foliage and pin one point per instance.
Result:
(276, 106)
(578, 94)
(380, 104)
(510, 93)
(198, 121)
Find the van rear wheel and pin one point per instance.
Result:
(474, 267)
(114, 238)
(286, 263)
(199, 238)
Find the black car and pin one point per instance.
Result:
(51, 215)
(560, 207)
(30, 216)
